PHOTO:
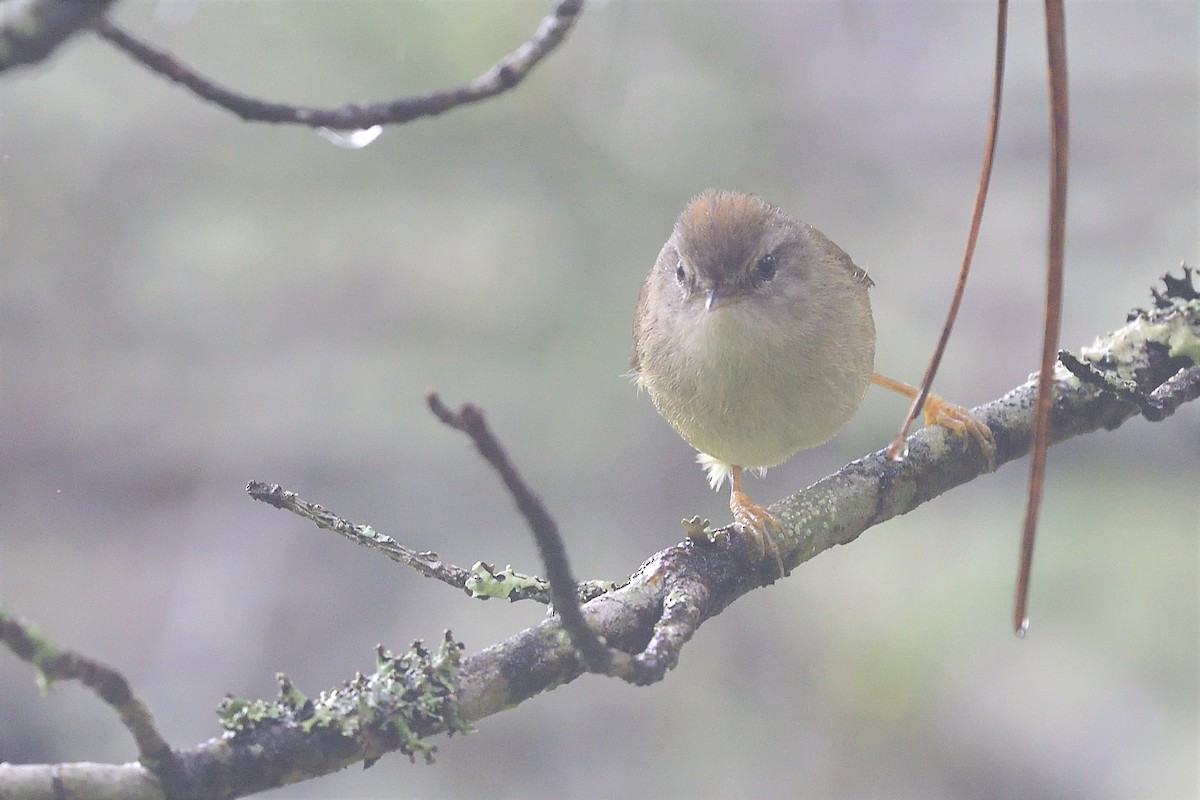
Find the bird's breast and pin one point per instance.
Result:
(749, 392)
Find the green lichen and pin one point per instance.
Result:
(1124, 350)
(1183, 340)
(406, 698)
(487, 582)
(289, 695)
(43, 655)
(555, 637)
(675, 597)
(697, 530)
(238, 715)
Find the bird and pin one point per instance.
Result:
(754, 338)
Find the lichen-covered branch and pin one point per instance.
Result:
(393, 708)
(30, 30)
(1158, 351)
(1155, 353)
(482, 581)
(425, 562)
(675, 591)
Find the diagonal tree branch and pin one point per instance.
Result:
(677, 589)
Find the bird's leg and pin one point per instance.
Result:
(937, 411)
(758, 524)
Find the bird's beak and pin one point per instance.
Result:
(718, 296)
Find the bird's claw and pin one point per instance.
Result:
(759, 526)
(961, 421)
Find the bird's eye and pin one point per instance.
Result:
(764, 270)
(680, 273)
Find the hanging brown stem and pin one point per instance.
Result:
(1057, 71)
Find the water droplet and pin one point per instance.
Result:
(898, 454)
(1024, 626)
(351, 140)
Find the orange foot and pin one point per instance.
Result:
(937, 411)
(758, 524)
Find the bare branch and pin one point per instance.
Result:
(80, 779)
(469, 419)
(504, 75)
(685, 598)
(56, 664)
(30, 30)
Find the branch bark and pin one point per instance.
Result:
(503, 75)
(677, 589)
(30, 30)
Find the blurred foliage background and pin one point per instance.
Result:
(188, 302)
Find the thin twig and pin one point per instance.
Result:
(985, 179)
(57, 664)
(504, 75)
(469, 419)
(425, 562)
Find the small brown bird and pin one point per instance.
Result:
(754, 337)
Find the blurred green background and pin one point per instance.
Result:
(188, 302)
